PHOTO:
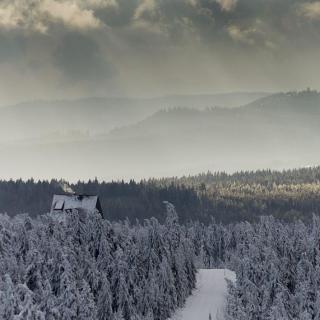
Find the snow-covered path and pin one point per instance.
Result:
(208, 297)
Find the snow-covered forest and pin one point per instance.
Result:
(278, 271)
(277, 267)
(80, 266)
(85, 268)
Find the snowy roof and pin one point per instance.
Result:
(75, 201)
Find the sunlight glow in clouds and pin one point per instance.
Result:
(72, 48)
(311, 10)
(227, 5)
(69, 13)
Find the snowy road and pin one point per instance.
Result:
(207, 298)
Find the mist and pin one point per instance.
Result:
(114, 139)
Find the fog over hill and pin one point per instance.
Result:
(278, 131)
(56, 121)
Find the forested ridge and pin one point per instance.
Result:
(288, 195)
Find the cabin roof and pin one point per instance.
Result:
(75, 201)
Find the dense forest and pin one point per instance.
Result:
(288, 195)
(277, 267)
(81, 267)
(75, 266)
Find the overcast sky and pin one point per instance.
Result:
(53, 49)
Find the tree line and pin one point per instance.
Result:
(244, 196)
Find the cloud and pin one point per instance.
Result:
(145, 7)
(156, 46)
(38, 16)
(311, 10)
(9, 18)
(239, 35)
(18, 15)
(69, 13)
(244, 35)
(80, 58)
(193, 3)
(227, 5)
(100, 4)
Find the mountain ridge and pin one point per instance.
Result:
(177, 142)
(97, 115)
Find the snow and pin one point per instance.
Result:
(69, 202)
(208, 297)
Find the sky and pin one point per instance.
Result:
(66, 49)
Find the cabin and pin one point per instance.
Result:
(69, 202)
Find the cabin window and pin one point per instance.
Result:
(59, 205)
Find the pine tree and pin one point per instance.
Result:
(87, 309)
(8, 303)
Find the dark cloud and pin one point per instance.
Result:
(117, 16)
(80, 58)
(158, 46)
(12, 49)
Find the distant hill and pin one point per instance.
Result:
(278, 116)
(277, 132)
(295, 102)
(41, 121)
(224, 100)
